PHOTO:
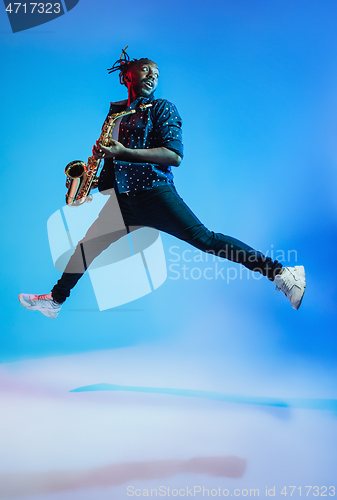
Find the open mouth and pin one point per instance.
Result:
(148, 84)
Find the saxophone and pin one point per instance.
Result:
(82, 177)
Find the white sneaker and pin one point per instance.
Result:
(42, 303)
(292, 283)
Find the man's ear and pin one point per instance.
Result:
(127, 77)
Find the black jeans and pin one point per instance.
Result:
(163, 209)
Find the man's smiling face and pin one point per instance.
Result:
(143, 78)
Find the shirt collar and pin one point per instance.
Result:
(135, 104)
(141, 100)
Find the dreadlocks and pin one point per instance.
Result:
(123, 64)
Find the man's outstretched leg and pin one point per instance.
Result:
(109, 227)
(163, 209)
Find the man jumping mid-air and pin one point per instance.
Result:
(138, 168)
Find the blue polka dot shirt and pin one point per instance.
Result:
(157, 126)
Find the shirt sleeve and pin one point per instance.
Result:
(167, 126)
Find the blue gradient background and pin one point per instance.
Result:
(256, 85)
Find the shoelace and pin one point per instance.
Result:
(50, 300)
(287, 283)
(44, 297)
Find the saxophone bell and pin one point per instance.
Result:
(75, 169)
(74, 172)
